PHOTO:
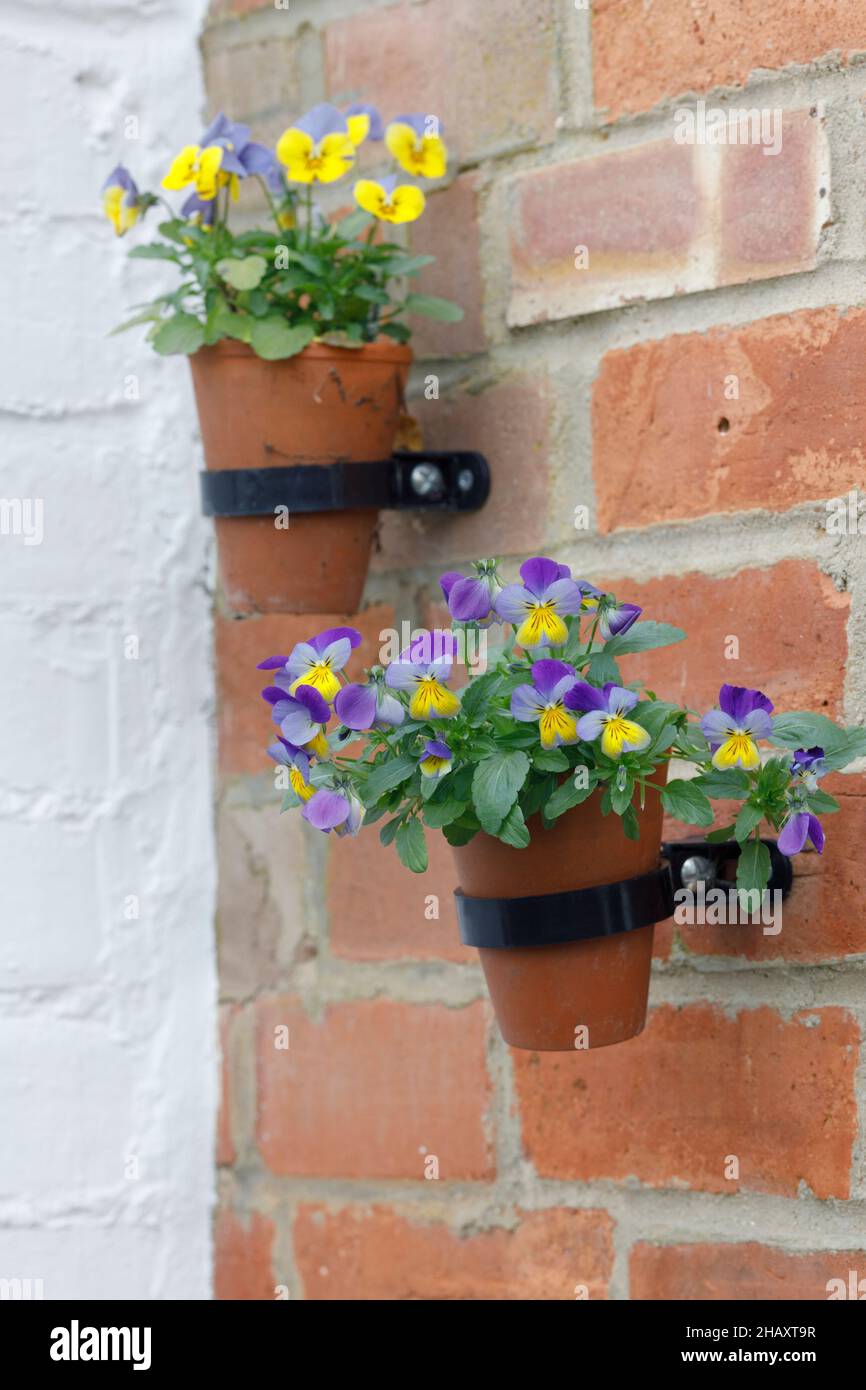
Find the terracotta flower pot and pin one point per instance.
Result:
(324, 406)
(543, 994)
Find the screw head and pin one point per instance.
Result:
(698, 869)
(466, 480)
(427, 480)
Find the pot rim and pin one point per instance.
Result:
(381, 350)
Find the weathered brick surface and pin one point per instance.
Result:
(245, 724)
(792, 432)
(372, 1089)
(740, 1272)
(790, 622)
(242, 1256)
(411, 57)
(449, 231)
(643, 54)
(380, 911)
(225, 1148)
(663, 219)
(694, 1088)
(511, 422)
(377, 1253)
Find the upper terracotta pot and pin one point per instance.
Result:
(543, 994)
(326, 405)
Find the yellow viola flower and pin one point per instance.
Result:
(390, 201)
(364, 123)
(120, 200)
(415, 143)
(318, 149)
(201, 167)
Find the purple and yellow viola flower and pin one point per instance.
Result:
(473, 600)
(389, 200)
(436, 758)
(224, 155)
(731, 730)
(538, 606)
(605, 717)
(807, 765)
(334, 808)
(316, 662)
(364, 123)
(368, 706)
(318, 148)
(275, 695)
(200, 212)
(298, 763)
(799, 827)
(302, 717)
(614, 618)
(423, 670)
(544, 701)
(417, 146)
(121, 202)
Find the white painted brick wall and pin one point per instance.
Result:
(108, 1060)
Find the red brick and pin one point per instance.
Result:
(242, 1256)
(225, 1148)
(740, 1272)
(510, 421)
(487, 72)
(377, 908)
(449, 231)
(245, 725)
(377, 1253)
(643, 53)
(794, 434)
(790, 621)
(770, 215)
(639, 212)
(371, 1089)
(695, 1087)
(822, 919)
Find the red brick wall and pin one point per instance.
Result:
(700, 388)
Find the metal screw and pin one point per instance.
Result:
(427, 480)
(697, 869)
(466, 480)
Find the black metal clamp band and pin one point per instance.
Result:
(701, 861)
(455, 482)
(552, 919)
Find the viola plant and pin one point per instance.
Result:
(305, 276)
(549, 723)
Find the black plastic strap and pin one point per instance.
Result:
(553, 918)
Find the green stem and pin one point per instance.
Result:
(270, 202)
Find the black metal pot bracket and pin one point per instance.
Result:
(424, 481)
(698, 861)
(552, 919)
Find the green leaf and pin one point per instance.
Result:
(822, 803)
(398, 331)
(631, 824)
(513, 829)
(620, 797)
(389, 830)
(433, 308)
(479, 692)
(386, 776)
(405, 265)
(642, 637)
(550, 760)
(686, 801)
(602, 668)
(290, 800)
(730, 783)
(154, 251)
(273, 339)
(441, 813)
(151, 315)
(495, 784)
(412, 846)
(851, 746)
(353, 223)
(457, 834)
(748, 820)
(718, 837)
(566, 796)
(753, 867)
(180, 334)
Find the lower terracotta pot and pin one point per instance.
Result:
(327, 405)
(579, 993)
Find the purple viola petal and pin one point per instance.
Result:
(511, 603)
(355, 819)
(389, 710)
(218, 129)
(548, 673)
(355, 705)
(591, 726)
(271, 663)
(618, 620)
(715, 726)
(792, 836)
(120, 177)
(618, 698)
(526, 703)
(283, 681)
(584, 696)
(469, 600)
(325, 639)
(323, 119)
(807, 760)
(257, 159)
(337, 653)
(758, 723)
(279, 752)
(273, 693)
(816, 833)
(433, 648)
(295, 722)
(738, 701)
(565, 595)
(448, 580)
(304, 655)
(420, 123)
(363, 108)
(539, 573)
(435, 748)
(326, 809)
(589, 591)
(231, 163)
(403, 675)
(561, 689)
(317, 707)
(203, 208)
